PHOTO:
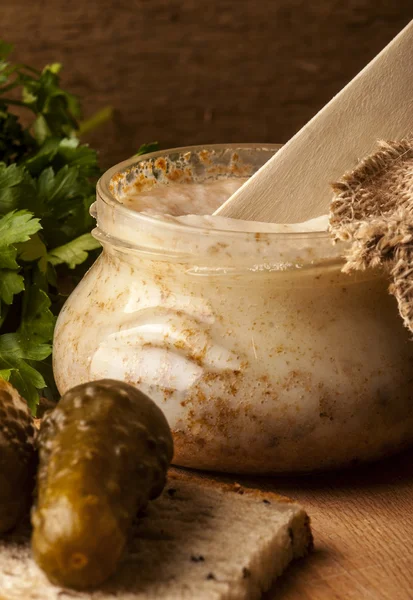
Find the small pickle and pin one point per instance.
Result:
(104, 452)
(17, 456)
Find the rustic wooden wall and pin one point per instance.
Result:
(195, 71)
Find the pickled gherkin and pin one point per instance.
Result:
(104, 452)
(17, 456)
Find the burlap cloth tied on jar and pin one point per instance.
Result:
(373, 210)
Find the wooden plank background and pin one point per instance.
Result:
(187, 71)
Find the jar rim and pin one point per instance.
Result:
(105, 194)
(211, 248)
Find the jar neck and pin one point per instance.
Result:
(135, 235)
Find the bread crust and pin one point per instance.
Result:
(302, 544)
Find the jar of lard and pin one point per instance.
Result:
(263, 356)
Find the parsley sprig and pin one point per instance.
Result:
(46, 188)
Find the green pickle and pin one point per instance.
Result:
(17, 456)
(104, 452)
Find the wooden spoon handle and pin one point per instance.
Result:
(294, 185)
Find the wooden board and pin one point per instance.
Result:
(363, 527)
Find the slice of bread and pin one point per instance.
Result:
(201, 540)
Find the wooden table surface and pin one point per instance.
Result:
(362, 522)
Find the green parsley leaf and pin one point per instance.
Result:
(42, 156)
(17, 189)
(25, 378)
(146, 148)
(10, 179)
(10, 176)
(10, 284)
(46, 188)
(38, 321)
(15, 227)
(47, 185)
(5, 374)
(70, 152)
(75, 252)
(20, 351)
(33, 249)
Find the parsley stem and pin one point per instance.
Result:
(98, 119)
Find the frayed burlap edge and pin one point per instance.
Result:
(373, 209)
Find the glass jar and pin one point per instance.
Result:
(263, 355)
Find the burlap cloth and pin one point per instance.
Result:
(373, 209)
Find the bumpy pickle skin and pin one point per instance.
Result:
(17, 457)
(104, 452)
